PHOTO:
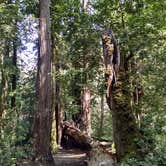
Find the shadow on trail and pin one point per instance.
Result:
(70, 157)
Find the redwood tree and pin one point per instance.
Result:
(118, 97)
(85, 122)
(42, 121)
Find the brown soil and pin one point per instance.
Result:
(64, 157)
(70, 157)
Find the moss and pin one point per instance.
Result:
(113, 149)
(124, 125)
(54, 146)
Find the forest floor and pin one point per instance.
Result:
(71, 157)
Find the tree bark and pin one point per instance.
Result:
(125, 129)
(84, 5)
(42, 121)
(100, 132)
(85, 115)
(58, 114)
(4, 85)
(57, 106)
(3, 92)
(86, 112)
(14, 76)
(118, 99)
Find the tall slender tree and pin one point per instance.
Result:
(4, 83)
(56, 92)
(14, 57)
(42, 121)
(86, 95)
(14, 75)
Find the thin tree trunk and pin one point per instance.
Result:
(54, 100)
(4, 86)
(3, 97)
(14, 76)
(86, 112)
(85, 123)
(57, 108)
(3, 91)
(14, 62)
(84, 5)
(58, 115)
(42, 121)
(100, 132)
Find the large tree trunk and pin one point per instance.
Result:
(118, 98)
(124, 125)
(42, 121)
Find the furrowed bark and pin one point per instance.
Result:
(86, 112)
(42, 121)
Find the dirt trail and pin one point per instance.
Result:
(71, 157)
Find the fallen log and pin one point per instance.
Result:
(99, 153)
(72, 133)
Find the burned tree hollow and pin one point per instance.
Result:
(118, 97)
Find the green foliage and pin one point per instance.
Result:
(14, 145)
(139, 26)
(15, 136)
(10, 154)
(152, 143)
(53, 136)
(77, 51)
(106, 133)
